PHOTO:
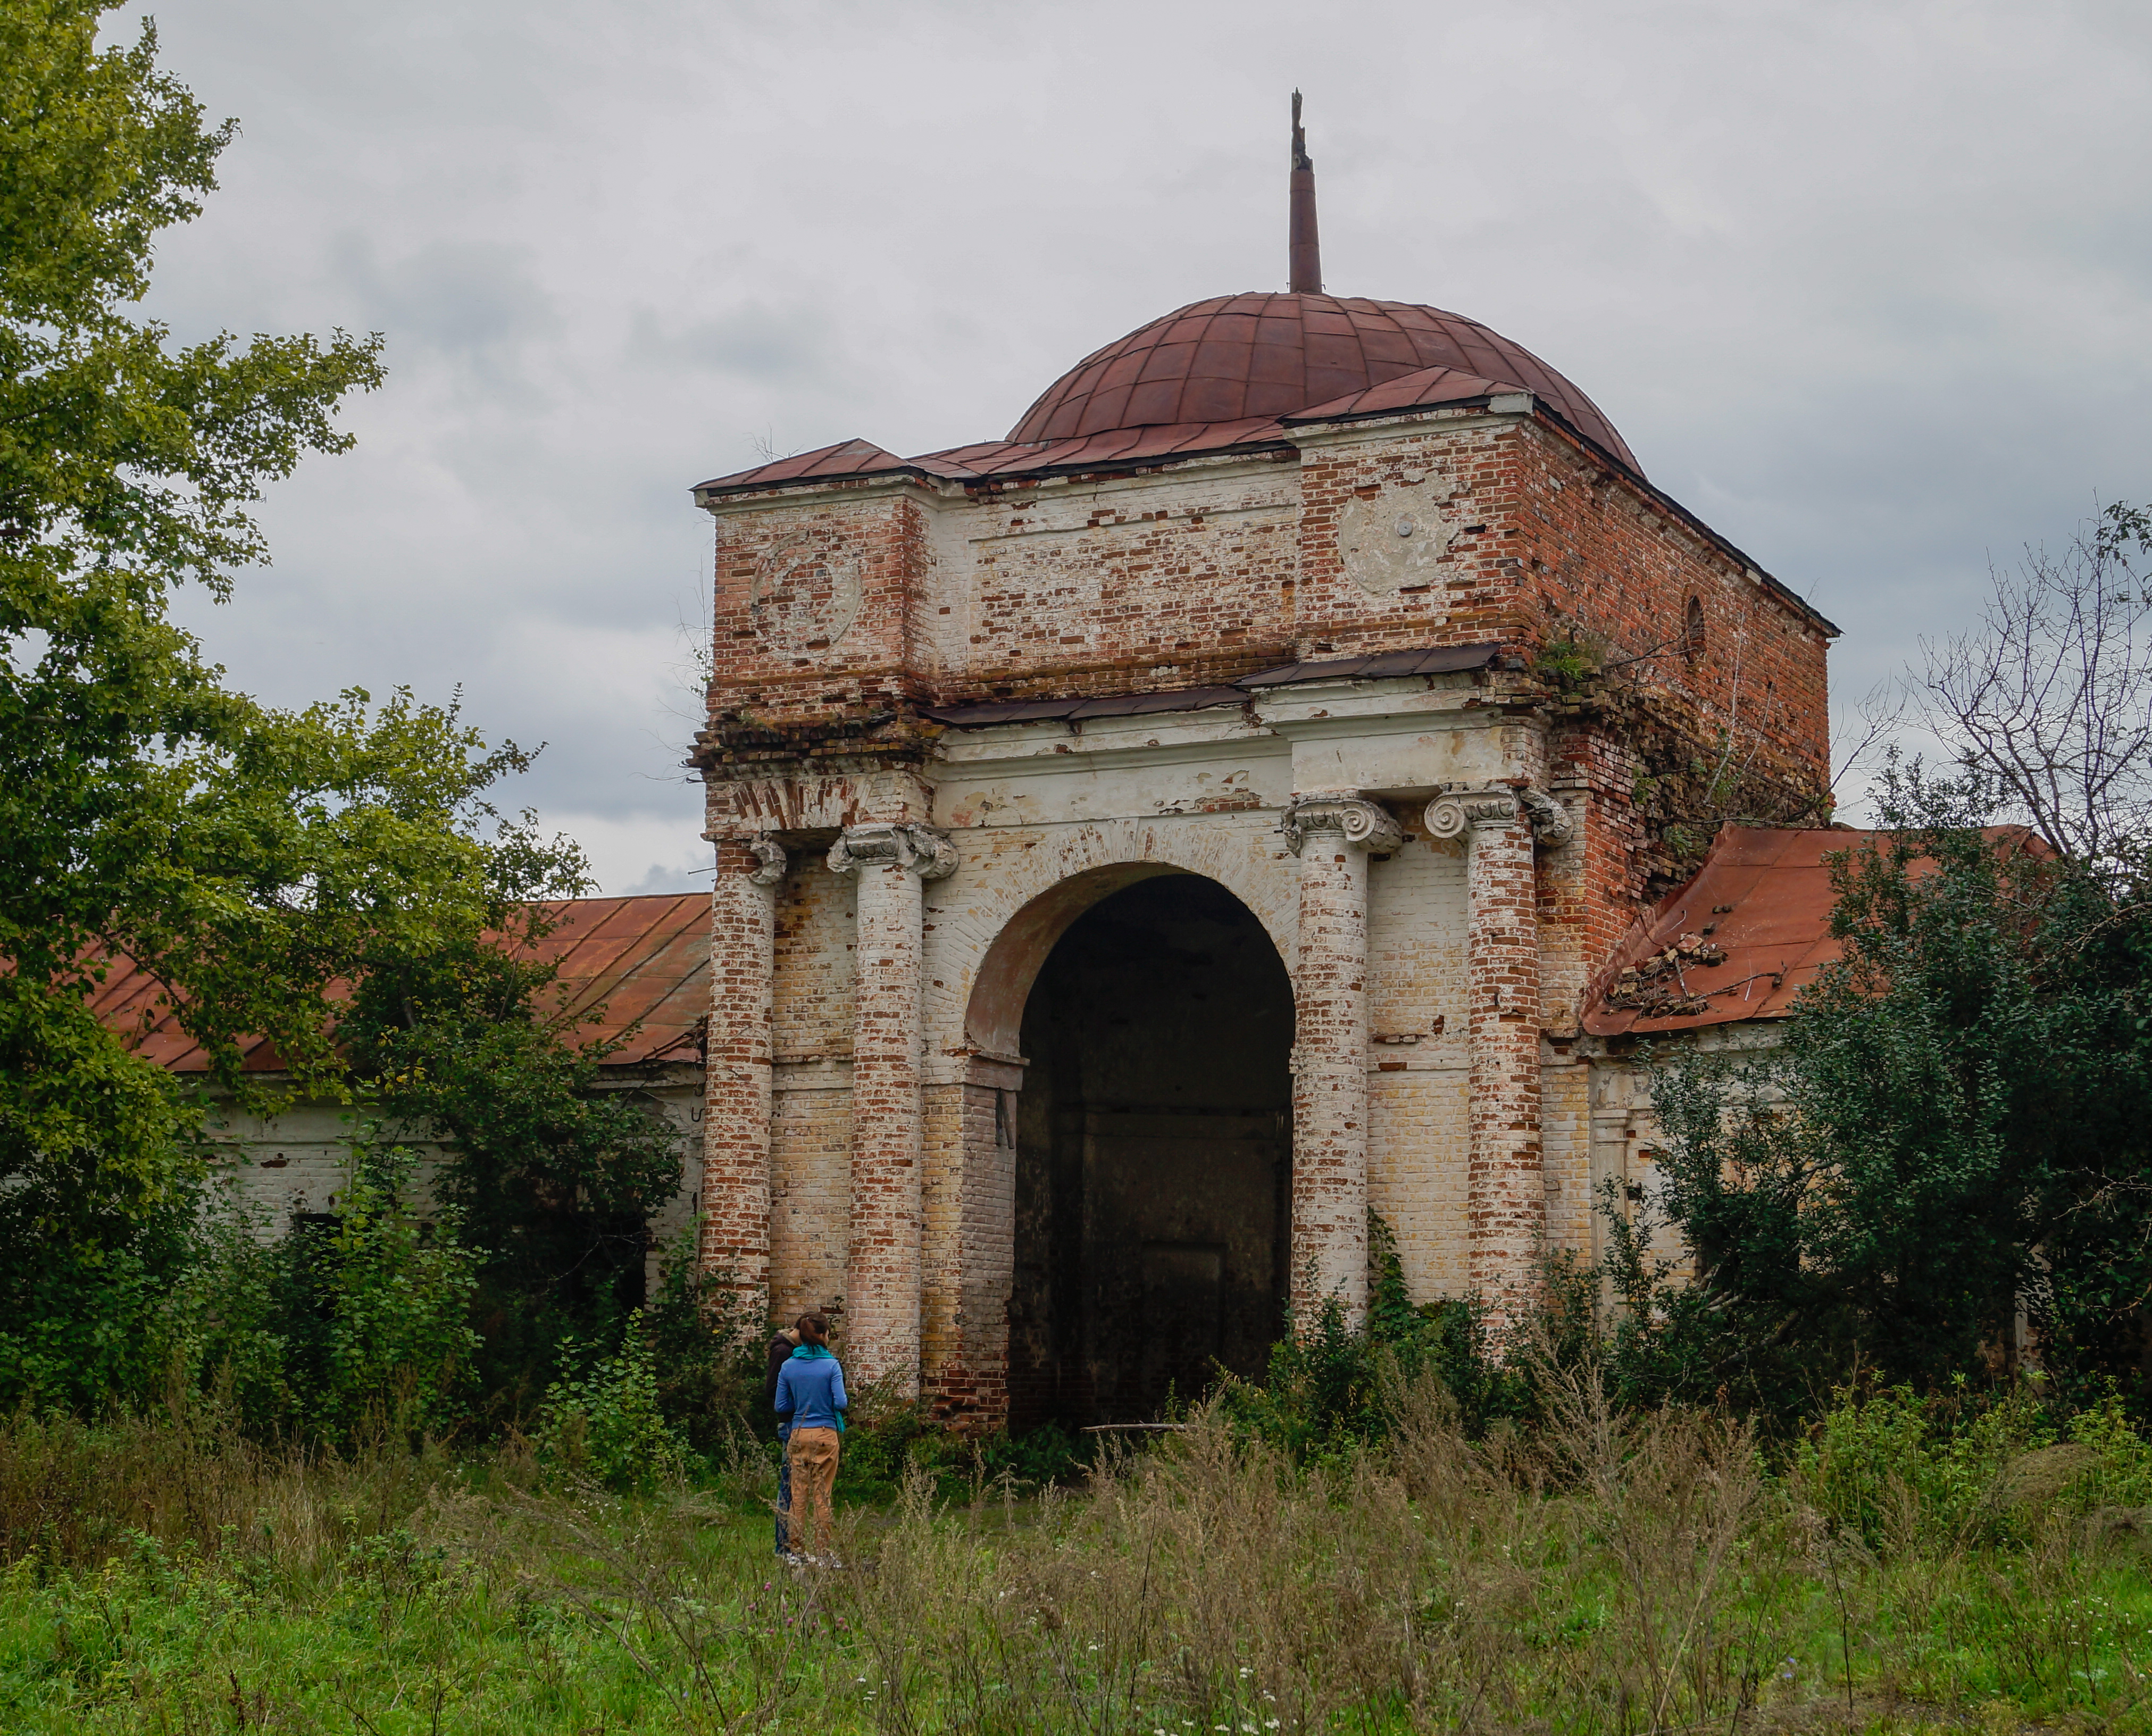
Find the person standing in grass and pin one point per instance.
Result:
(811, 1399)
(781, 1345)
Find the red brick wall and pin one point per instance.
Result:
(770, 644)
(1596, 554)
(1205, 573)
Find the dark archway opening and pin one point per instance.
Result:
(1154, 1150)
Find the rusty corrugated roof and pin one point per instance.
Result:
(1760, 904)
(1742, 939)
(642, 962)
(636, 963)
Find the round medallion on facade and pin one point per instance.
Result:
(1396, 538)
(806, 599)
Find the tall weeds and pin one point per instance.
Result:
(1601, 1569)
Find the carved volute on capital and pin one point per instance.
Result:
(1549, 820)
(924, 851)
(772, 861)
(1363, 825)
(1455, 812)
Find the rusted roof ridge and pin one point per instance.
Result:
(1423, 389)
(638, 957)
(847, 461)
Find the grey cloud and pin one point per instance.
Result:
(777, 346)
(478, 303)
(1865, 282)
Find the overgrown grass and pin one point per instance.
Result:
(1908, 1568)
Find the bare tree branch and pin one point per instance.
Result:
(2052, 697)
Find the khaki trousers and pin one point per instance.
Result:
(814, 1458)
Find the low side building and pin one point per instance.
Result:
(631, 974)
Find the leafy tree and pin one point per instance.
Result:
(247, 858)
(243, 856)
(1959, 1123)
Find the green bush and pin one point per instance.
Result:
(376, 1309)
(1331, 1388)
(609, 1424)
(1965, 1469)
(708, 1342)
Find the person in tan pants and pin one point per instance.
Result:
(810, 1397)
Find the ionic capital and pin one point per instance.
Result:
(918, 849)
(769, 856)
(1361, 824)
(1456, 812)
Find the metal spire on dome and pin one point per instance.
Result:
(1305, 265)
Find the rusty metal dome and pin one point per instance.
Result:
(1236, 357)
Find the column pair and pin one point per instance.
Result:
(882, 1267)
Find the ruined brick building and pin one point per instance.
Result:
(1148, 844)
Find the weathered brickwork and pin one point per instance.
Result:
(810, 1189)
(794, 583)
(1329, 1069)
(882, 1273)
(1419, 1160)
(1508, 1208)
(1419, 1151)
(1168, 579)
(736, 1080)
(1457, 484)
(969, 1247)
(1565, 1156)
(815, 944)
(1439, 1074)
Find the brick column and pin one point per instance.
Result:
(1507, 1208)
(882, 1269)
(735, 1186)
(1331, 833)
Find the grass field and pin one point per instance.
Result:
(1612, 1573)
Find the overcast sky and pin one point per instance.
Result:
(1866, 285)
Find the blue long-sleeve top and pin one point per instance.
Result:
(810, 1389)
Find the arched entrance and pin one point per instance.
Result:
(1153, 1159)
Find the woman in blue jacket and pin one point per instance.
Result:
(810, 1397)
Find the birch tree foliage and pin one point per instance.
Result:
(246, 856)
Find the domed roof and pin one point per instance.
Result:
(1233, 358)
